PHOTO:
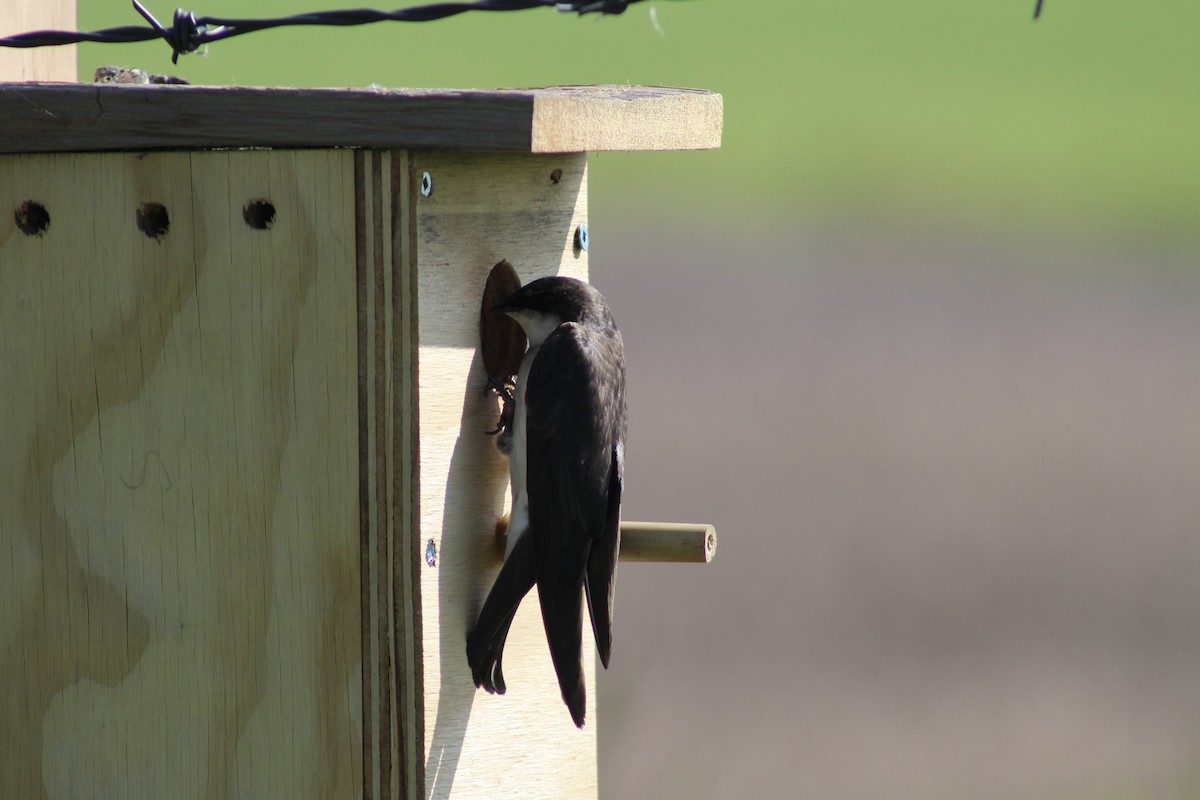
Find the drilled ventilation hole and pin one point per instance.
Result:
(259, 214)
(32, 218)
(152, 220)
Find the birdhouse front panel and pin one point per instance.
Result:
(481, 209)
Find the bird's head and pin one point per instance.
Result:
(542, 305)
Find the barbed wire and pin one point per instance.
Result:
(189, 33)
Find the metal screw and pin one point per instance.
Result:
(426, 184)
(581, 237)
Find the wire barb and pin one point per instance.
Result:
(185, 35)
(189, 33)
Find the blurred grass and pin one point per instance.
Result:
(927, 112)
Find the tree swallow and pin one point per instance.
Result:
(566, 462)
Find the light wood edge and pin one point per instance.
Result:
(668, 542)
(393, 707)
(569, 122)
(408, 494)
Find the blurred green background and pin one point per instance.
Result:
(925, 111)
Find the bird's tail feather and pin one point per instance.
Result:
(485, 642)
(562, 610)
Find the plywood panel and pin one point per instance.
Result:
(484, 208)
(179, 517)
(390, 611)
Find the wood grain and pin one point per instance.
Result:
(179, 591)
(27, 64)
(573, 119)
(38, 118)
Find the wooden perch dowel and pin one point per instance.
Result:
(661, 542)
(668, 541)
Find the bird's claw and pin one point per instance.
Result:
(504, 391)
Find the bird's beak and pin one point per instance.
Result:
(503, 308)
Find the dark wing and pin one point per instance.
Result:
(602, 561)
(575, 418)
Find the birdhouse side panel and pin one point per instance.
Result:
(179, 516)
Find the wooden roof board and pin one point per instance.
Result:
(74, 117)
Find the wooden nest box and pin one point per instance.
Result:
(247, 500)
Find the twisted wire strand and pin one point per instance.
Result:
(188, 32)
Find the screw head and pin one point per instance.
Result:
(581, 237)
(426, 184)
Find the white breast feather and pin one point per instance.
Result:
(518, 521)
